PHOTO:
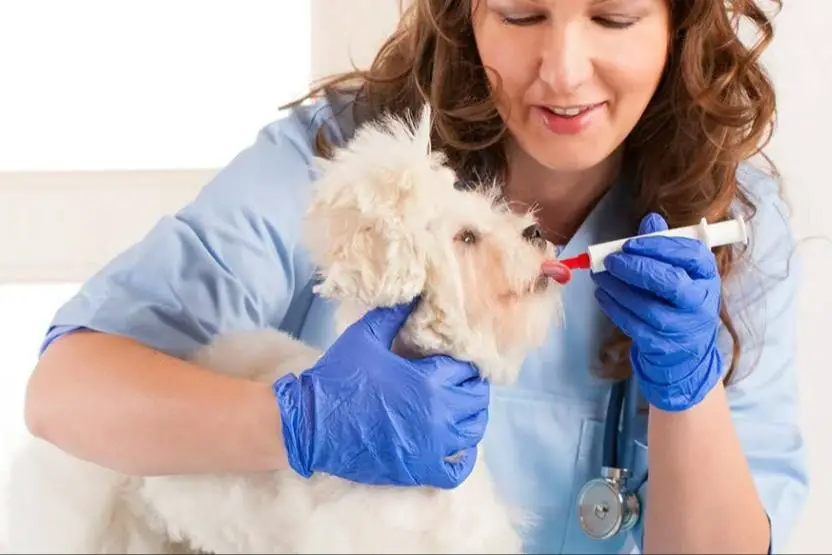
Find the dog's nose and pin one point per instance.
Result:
(533, 234)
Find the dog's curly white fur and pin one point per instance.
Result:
(386, 224)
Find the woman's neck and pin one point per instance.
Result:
(562, 199)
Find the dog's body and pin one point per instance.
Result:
(381, 232)
(283, 513)
(101, 511)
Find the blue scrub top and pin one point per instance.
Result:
(232, 260)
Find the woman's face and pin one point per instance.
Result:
(576, 75)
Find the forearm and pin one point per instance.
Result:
(701, 497)
(122, 405)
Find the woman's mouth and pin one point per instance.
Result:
(572, 111)
(569, 120)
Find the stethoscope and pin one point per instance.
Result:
(605, 505)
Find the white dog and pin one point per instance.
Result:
(385, 225)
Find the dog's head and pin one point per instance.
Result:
(386, 225)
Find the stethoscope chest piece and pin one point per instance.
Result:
(605, 507)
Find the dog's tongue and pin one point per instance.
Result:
(557, 271)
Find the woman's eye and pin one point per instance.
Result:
(522, 21)
(614, 23)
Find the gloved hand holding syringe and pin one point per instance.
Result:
(662, 289)
(712, 235)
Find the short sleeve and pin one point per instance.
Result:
(763, 397)
(229, 260)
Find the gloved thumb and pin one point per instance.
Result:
(651, 223)
(384, 322)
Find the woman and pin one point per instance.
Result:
(613, 117)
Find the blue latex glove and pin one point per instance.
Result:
(664, 293)
(365, 414)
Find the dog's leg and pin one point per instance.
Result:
(60, 504)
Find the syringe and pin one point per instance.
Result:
(713, 235)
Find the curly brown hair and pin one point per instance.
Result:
(714, 108)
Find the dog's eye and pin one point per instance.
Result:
(467, 236)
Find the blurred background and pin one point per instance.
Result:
(114, 113)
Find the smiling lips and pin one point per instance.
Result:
(571, 111)
(569, 120)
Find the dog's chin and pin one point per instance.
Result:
(541, 284)
(537, 285)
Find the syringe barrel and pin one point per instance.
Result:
(713, 235)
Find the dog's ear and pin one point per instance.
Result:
(367, 223)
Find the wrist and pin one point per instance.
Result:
(684, 393)
(289, 396)
(258, 436)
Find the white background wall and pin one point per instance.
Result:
(79, 220)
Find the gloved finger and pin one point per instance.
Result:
(470, 430)
(651, 223)
(468, 398)
(690, 254)
(632, 326)
(670, 283)
(448, 370)
(458, 468)
(384, 322)
(641, 304)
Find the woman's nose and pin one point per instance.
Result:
(566, 62)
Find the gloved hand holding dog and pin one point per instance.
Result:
(365, 414)
(664, 293)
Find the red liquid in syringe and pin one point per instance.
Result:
(580, 262)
